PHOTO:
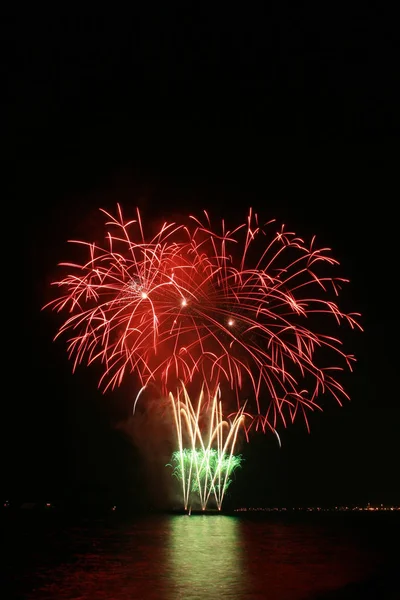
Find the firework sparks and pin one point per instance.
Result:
(205, 460)
(210, 306)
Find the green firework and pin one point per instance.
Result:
(205, 473)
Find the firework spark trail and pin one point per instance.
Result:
(194, 304)
(205, 459)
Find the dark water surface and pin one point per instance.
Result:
(317, 556)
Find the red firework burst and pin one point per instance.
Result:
(194, 304)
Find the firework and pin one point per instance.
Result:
(118, 298)
(196, 469)
(205, 460)
(217, 307)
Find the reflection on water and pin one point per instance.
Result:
(200, 557)
(205, 557)
(303, 560)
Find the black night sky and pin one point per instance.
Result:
(293, 113)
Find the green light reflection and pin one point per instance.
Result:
(205, 556)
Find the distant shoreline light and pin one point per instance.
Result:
(321, 509)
